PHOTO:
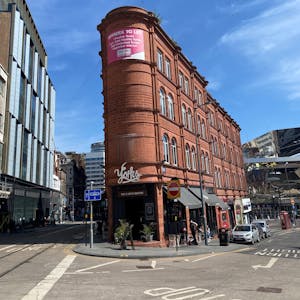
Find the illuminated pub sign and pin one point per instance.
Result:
(127, 175)
(125, 43)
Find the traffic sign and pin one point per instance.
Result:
(92, 195)
(173, 189)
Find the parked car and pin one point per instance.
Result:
(260, 231)
(245, 233)
(264, 225)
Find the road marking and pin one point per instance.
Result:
(180, 294)
(207, 257)
(94, 267)
(142, 270)
(44, 286)
(267, 266)
(2, 249)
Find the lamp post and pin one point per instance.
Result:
(200, 174)
(91, 221)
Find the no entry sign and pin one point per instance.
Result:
(174, 189)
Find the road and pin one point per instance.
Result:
(42, 265)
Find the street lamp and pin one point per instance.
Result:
(91, 221)
(200, 173)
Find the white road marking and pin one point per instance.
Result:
(4, 248)
(207, 257)
(97, 266)
(142, 270)
(44, 286)
(16, 249)
(267, 266)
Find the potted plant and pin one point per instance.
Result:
(122, 232)
(147, 232)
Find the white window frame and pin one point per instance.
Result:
(193, 156)
(174, 152)
(183, 113)
(160, 62)
(166, 148)
(162, 100)
(171, 107)
(168, 68)
(180, 78)
(186, 86)
(190, 120)
(187, 156)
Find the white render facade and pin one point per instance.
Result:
(30, 114)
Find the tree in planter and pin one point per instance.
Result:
(147, 232)
(122, 232)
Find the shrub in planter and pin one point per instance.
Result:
(122, 232)
(147, 232)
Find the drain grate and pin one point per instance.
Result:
(269, 290)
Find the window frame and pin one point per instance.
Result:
(160, 60)
(166, 149)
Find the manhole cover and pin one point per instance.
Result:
(268, 290)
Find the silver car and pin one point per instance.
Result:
(245, 233)
(264, 225)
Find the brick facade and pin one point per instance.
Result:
(136, 118)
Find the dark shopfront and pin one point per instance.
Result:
(178, 212)
(135, 204)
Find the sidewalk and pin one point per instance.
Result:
(104, 249)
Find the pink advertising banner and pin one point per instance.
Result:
(126, 43)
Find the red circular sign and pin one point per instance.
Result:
(173, 189)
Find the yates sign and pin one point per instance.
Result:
(127, 175)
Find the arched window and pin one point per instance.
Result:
(203, 129)
(162, 98)
(203, 162)
(190, 120)
(207, 167)
(216, 177)
(193, 154)
(200, 101)
(183, 113)
(166, 148)
(171, 107)
(187, 156)
(198, 125)
(174, 152)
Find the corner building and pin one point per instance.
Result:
(161, 123)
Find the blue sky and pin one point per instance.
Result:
(248, 50)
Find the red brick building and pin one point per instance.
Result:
(161, 123)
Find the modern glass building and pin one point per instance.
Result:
(28, 150)
(95, 166)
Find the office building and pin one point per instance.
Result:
(95, 166)
(28, 135)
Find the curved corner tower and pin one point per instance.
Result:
(130, 112)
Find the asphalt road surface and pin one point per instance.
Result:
(42, 265)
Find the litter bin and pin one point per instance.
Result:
(223, 237)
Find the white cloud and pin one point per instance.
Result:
(272, 41)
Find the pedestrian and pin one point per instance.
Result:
(194, 230)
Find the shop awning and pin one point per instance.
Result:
(188, 199)
(210, 199)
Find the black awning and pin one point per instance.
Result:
(188, 199)
(210, 199)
